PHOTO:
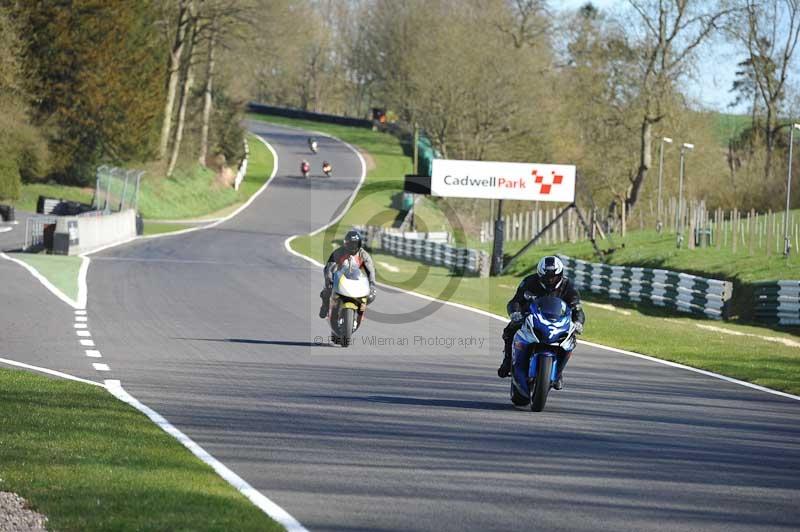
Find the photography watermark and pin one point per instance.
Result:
(420, 341)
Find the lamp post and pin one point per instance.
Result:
(787, 244)
(660, 179)
(684, 148)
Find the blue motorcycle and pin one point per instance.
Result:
(547, 334)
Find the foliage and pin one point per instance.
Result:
(9, 179)
(95, 74)
(90, 462)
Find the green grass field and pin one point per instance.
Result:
(191, 192)
(60, 270)
(92, 463)
(31, 192)
(745, 352)
(652, 250)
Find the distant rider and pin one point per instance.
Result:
(312, 144)
(352, 247)
(305, 168)
(327, 168)
(549, 280)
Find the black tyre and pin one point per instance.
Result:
(517, 398)
(541, 386)
(346, 332)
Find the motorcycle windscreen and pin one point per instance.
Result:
(551, 308)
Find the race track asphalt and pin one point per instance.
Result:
(217, 331)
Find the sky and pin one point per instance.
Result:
(715, 69)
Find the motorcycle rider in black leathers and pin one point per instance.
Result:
(548, 280)
(352, 247)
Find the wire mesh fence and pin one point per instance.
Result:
(117, 189)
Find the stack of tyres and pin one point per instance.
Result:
(778, 302)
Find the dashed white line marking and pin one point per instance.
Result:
(101, 367)
(80, 313)
(80, 326)
(93, 353)
(87, 343)
(81, 318)
(83, 333)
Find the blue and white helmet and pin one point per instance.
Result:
(551, 272)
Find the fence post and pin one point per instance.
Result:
(769, 233)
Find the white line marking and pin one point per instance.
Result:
(287, 245)
(81, 319)
(80, 313)
(101, 367)
(695, 370)
(386, 265)
(42, 279)
(81, 325)
(83, 333)
(87, 343)
(210, 225)
(604, 306)
(48, 372)
(93, 353)
(776, 339)
(266, 505)
(83, 289)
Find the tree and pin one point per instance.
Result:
(186, 84)
(93, 71)
(180, 30)
(666, 37)
(769, 30)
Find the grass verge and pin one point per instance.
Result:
(31, 191)
(89, 462)
(748, 353)
(259, 169)
(60, 270)
(194, 192)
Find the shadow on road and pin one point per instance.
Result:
(444, 403)
(257, 342)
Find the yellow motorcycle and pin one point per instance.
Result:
(349, 297)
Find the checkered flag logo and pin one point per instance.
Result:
(546, 183)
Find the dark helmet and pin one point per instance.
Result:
(551, 272)
(352, 241)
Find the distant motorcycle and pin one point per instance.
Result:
(305, 168)
(312, 145)
(327, 169)
(348, 304)
(547, 334)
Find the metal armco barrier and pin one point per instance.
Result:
(778, 302)
(664, 288)
(436, 253)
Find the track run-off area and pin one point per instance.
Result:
(216, 331)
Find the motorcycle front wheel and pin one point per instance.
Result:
(346, 332)
(541, 385)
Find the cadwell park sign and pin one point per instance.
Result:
(507, 181)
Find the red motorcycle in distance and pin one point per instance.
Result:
(305, 168)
